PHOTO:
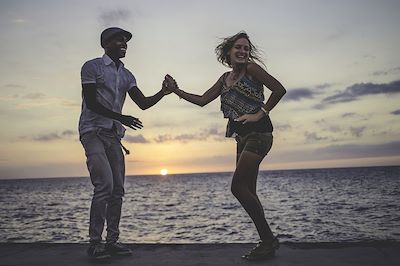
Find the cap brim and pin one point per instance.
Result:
(125, 33)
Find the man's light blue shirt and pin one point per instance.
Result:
(112, 85)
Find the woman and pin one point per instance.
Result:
(241, 93)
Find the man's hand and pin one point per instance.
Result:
(131, 122)
(170, 84)
(165, 89)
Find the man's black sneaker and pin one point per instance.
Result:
(97, 251)
(117, 248)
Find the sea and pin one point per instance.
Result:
(316, 205)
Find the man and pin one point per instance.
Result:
(105, 82)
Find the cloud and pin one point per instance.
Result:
(66, 134)
(323, 86)
(313, 137)
(42, 101)
(360, 151)
(47, 137)
(13, 86)
(298, 94)
(339, 151)
(283, 127)
(390, 71)
(114, 17)
(34, 96)
(352, 114)
(329, 126)
(396, 112)
(355, 91)
(185, 138)
(357, 131)
(136, 139)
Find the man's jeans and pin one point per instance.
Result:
(106, 165)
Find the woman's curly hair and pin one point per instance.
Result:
(227, 43)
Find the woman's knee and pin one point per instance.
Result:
(238, 189)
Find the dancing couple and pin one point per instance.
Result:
(105, 83)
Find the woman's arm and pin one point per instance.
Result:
(268, 81)
(210, 95)
(259, 74)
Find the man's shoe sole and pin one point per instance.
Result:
(128, 253)
(103, 257)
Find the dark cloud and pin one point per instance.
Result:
(66, 134)
(114, 17)
(394, 70)
(34, 96)
(338, 127)
(313, 137)
(335, 152)
(299, 94)
(361, 151)
(357, 131)
(284, 127)
(323, 86)
(47, 137)
(396, 112)
(355, 91)
(136, 139)
(348, 115)
(200, 136)
(13, 86)
(329, 126)
(335, 129)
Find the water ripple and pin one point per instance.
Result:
(321, 205)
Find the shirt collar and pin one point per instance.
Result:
(108, 61)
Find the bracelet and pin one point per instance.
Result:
(265, 111)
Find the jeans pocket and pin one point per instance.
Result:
(86, 136)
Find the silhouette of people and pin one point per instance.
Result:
(105, 83)
(242, 103)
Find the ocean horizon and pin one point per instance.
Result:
(201, 173)
(352, 204)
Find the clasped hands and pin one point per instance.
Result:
(169, 85)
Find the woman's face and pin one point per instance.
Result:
(239, 53)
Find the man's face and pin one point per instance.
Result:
(116, 46)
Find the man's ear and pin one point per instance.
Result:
(106, 44)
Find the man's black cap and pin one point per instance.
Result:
(107, 34)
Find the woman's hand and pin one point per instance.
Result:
(250, 117)
(169, 85)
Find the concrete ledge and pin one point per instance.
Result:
(365, 254)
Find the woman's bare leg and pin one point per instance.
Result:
(244, 189)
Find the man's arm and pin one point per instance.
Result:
(89, 96)
(145, 102)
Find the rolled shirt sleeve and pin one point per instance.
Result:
(88, 73)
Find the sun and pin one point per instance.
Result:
(164, 171)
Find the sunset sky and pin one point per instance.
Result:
(338, 60)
